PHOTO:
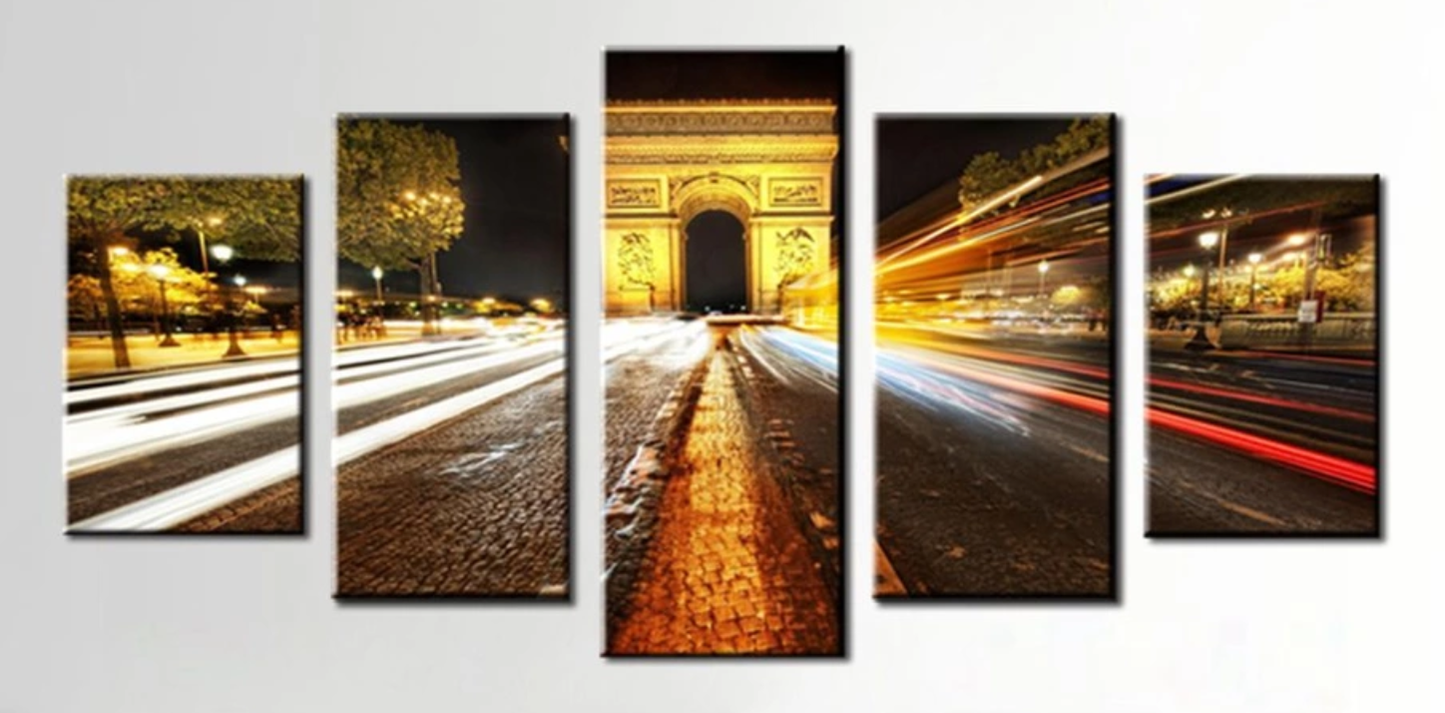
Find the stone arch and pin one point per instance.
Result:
(770, 164)
(714, 192)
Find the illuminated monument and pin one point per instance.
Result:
(769, 164)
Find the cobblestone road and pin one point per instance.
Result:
(475, 507)
(729, 571)
(273, 509)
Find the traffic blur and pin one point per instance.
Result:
(994, 391)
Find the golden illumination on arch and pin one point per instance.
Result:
(768, 164)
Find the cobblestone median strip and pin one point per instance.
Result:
(631, 508)
(729, 571)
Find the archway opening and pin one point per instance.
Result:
(717, 278)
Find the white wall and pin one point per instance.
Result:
(247, 625)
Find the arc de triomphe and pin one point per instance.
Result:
(769, 164)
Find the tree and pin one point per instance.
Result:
(259, 216)
(638, 267)
(989, 173)
(1348, 283)
(1333, 196)
(796, 253)
(135, 286)
(398, 198)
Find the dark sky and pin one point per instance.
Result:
(916, 155)
(803, 74)
(715, 272)
(516, 185)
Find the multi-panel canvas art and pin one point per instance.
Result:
(183, 354)
(451, 384)
(993, 280)
(722, 240)
(1264, 345)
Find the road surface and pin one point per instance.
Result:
(993, 462)
(745, 556)
(1261, 443)
(150, 451)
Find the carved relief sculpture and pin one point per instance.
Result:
(791, 193)
(796, 252)
(639, 268)
(633, 195)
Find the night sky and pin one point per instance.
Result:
(516, 185)
(916, 155)
(715, 269)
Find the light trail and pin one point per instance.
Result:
(962, 217)
(1350, 474)
(1194, 189)
(1310, 462)
(97, 443)
(1236, 395)
(178, 505)
(370, 367)
(792, 347)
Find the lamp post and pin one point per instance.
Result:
(376, 274)
(1225, 214)
(1254, 259)
(1201, 340)
(160, 272)
(212, 221)
(1043, 276)
(224, 253)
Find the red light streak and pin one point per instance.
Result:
(1350, 474)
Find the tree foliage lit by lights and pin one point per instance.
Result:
(1347, 283)
(135, 286)
(991, 173)
(398, 195)
(260, 217)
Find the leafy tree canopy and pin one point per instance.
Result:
(1336, 196)
(258, 216)
(134, 278)
(398, 194)
(990, 173)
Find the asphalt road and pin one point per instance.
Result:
(993, 463)
(132, 439)
(1261, 443)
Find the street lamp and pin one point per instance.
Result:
(1043, 274)
(212, 221)
(224, 253)
(1224, 214)
(160, 272)
(1254, 259)
(1207, 242)
(376, 274)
